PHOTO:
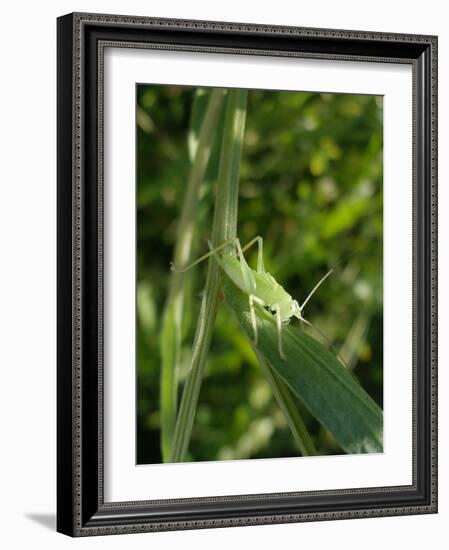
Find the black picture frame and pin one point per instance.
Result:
(81, 510)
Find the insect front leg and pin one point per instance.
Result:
(279, 327)
(254, 299)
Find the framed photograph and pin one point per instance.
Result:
(247, 274)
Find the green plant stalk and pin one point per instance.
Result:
(288, 407)
(356, 336)
(171, 335)
(224, 227)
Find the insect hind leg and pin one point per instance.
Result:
(211, 252)
(246, 270)
(259, 241)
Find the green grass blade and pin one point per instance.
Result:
(204, 124)
(288, 406)
(224, 227)
(328, 390)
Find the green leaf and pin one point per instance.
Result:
(328, 390)
(170, 343)
(199, 108)
(288, 406)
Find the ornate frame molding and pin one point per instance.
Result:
(81, 41)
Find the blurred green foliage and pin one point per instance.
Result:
(311, 186)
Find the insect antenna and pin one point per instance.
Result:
(315, 288)
(304, 321)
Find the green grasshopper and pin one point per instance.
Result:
(260, 286)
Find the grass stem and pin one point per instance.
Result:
(224, 227)
(171, 335)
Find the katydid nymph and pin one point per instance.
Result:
(260, 286)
